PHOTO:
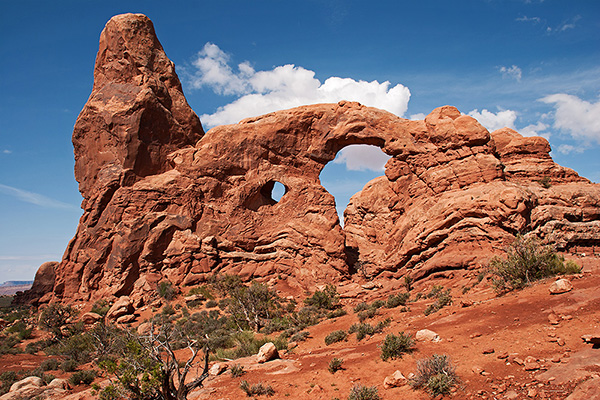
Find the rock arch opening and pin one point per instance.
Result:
(269, 194)
(353, 167)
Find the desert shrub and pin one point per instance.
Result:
(300, 336)
(237, 370)
(395, 346)
(253, 306)
(545, 182)
(226, 284)
(327, 299)
(394, 301)
(360, 392)
(364, 329)
(256, 389)
(367, 314)
(408, 281)
(335, 336)
(7, 378)
(211, 304)
(361, 307)
(335, 365)
(82, 377)
(435, 374)
(443, 298)
(50, 365)
(7, 345)
(166, 290)
(203, 290)
(69, 366)
(54, 316)
(527, 261)
(78, 348)
(19, 328)
(101, 307)
(336, 313)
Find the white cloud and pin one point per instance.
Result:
(34, 198)
(535, 130)
(528, 19)
(491, 121)
(417, 117)
(6, 151)
(568, 149)
(283, 87)
(577, 117)
(362, 157)
(511, 72)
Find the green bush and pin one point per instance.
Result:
(101, 307)
(364, 329)
(527, 261)
(211, 304)
(395, 346)
(435, 374)
(253, 306)
(335, 365)
(360, 392)
(326, 299)
(54, 316)
(203, 290)
(256, 389)
(50, 365)
(398, 300)
(69, 366)
(336, 313)
(300, 336)
(82, 377)
(361, 307)
(7, 378)
(335, 336)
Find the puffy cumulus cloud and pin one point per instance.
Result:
(362, 157)
(417, 116)
(6, 151)
(577, 117)
(512, 72)
(283, 87)
(493, 121)
(535, 130)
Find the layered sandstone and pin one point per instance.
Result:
(162, 200)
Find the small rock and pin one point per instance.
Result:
(560, 341)
(425, 335)
(531, 364)
(593, 339)
(555, 359)
(489, 351)
(532, 392)
(144, 328)
(553, 319)
(502, 356)
(125, 319)
(395, 380)
(267, 352)
(59, 384)
(466, 303)
(511, 395)
(217, 369)
(477, 369)
(561, 286)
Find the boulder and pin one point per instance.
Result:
(267, 352)
(425, 335)
(58, 383)
(560, 286)
(90, 318)
(121, 308)
(395, 380)
(588, 390)
(29, 381)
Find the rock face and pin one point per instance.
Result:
(163, 200)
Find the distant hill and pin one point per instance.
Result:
(12, 287)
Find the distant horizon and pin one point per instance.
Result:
(533, 66)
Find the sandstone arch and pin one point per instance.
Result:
(452, 193)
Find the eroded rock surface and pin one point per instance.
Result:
(163, 200)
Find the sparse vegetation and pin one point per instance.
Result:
(360, 392)
(527, 261)
(237, 370)
(364, 329)
(54, 317)
(300, 336)
(335, 336)
(335, 365)
(435, 374)
(545, 182)
(165, 290)
(443, 299)
(256, 389)
(400, 299)
(396, 346)
(101, 307)
(408, 281)
(327, 299)
(51, 364)
(82, 377)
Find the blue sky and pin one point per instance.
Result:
(530, 65)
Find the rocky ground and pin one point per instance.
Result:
(523, 345)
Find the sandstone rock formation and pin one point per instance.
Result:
(164, 201)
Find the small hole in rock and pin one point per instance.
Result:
(278, 191)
